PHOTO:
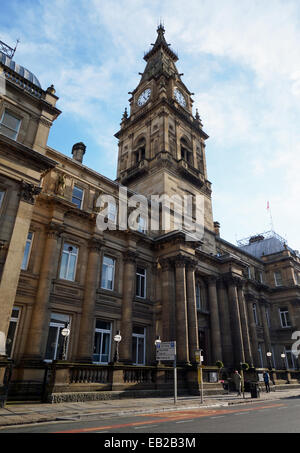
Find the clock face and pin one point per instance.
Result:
(179, 97)
(143, 98)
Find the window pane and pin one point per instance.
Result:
(10, 121)
(10, 337)
(134, 349)
(105, 348)
(51, 343)
(140, 351)
(102, 325)
(138, 330)
(63, 266)
(72, 267)
(1, 196)
(8, 132)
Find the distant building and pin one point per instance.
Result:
(58, 269)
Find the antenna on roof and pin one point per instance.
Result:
(270, 214)
(14, 50)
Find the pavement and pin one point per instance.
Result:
(30, 413)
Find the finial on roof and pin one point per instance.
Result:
(51, 89)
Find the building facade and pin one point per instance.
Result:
(59, 270)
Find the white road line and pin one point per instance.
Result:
(185, 421)
(144, 426)
(218, 416)
(242, 413)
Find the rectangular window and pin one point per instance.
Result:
(57, 344)
(10, 125)
(108, 272)
(27, 251)
(142, 224)
(249, 272)
(68, 262)
(102, 342)
(261, 276)
(278, 278)
(255, 314)
(77, 196)
(138, 345)
(111, 212)
(12, 330)
(141, 282)
(284, 317)
(198, 297)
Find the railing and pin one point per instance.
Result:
(139, 375)
(95, 374)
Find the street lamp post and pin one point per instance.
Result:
(283, 361)
(269, 355)
(157, 343)
(65, 333)
(117, 339)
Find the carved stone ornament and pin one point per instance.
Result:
(28, 192)
(60, 184)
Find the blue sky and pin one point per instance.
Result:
(241, 59)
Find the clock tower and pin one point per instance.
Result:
(161, 142)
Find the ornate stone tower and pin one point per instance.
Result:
(161, 143)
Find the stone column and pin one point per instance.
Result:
(235, 321)
(166, 296)
(192, 310)
(181, 312)
(267, 338)
(86, 330)
(38, 331)
(129, 277)
(244, 324)
(225, 323)
(252, 330)
(14, 257)
(214, 320)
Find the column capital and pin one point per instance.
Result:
(211, 279)
(95, 245)
(191, 264)
(180, 261)
(130, 256)
(54, 230)
(28, 192)
(166, 264)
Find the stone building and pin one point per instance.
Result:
(59, 270)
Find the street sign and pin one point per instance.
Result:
(166, 350)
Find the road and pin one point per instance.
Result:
(278, 416)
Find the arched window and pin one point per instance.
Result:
(185, 151)
(140, 152)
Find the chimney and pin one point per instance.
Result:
(217, 228)
(78, 151)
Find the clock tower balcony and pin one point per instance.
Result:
(139, 169)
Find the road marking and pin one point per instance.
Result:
(185, 421)
(142, 427)
(218, 416)
(169, 416)
(241, 413)
(285, 407)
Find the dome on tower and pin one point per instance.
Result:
(23, 72)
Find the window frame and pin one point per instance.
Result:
(287, 320)
(255, 313)
(139, 279)
(30, 241)
(278, 282)
(59, 324)
(75, 186)
(68, 262)
(103, 332)
(9, 112)
(2, 196)
(113, 274)
(15, 320)
(139, 336)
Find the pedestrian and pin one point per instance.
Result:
(237, 379)
(267, 381)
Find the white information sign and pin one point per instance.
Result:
(166, 350)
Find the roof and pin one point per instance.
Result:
(23, 72)
(264, 244)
